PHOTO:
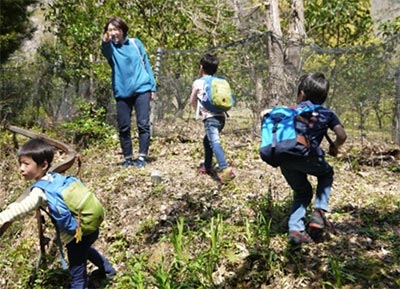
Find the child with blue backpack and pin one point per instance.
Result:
(312, 90)
(35, 158)
(214, 122)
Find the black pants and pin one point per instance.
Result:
(78, 254)
(141, 102)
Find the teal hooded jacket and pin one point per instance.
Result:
(131, 70)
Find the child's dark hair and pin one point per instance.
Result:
(119, 23)
(209, 63)
(38, 149)
(314, 86)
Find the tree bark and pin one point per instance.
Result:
(396, 117)
(284, 64)
(276, 80)
(297, 34)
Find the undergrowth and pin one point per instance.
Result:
(191, 232)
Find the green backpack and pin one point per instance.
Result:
(218, 96)
(72, 206)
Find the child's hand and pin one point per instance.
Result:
(333, 150)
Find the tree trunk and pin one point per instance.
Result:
(282, 75)
(276, 79)
(296, 36)
(91, 78)
(396, 117)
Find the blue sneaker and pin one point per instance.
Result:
(127, 163)
(100, 274)
(139, 163)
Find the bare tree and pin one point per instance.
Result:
(284, 58)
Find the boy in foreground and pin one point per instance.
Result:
(214, 122)
(313, 89)
(35, 158)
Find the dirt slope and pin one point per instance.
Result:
(141, 216)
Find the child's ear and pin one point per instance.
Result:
(45, 165)
(300, 97)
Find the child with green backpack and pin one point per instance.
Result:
(75, 211)
(211, 97)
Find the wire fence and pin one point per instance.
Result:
(363, 80)
(363, 83)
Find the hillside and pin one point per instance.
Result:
(191, 232)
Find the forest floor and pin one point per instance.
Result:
(189, 231)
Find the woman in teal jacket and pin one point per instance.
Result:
(133, 85)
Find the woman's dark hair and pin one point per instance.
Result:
(119, 23)
(209, 63)
(315, 87)
(38, 149)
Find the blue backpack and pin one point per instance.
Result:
(284, 133)
(217, 95)
(72, 206)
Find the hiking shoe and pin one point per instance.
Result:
(139, 163)
(100, 274)
(318, 221)
(227, 175)
(127, 163)
(299, 237)
(203, 170)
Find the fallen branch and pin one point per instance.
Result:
(71, 154)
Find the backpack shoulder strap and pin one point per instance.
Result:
(44, 185)
(307, 108)
(57, 181)
(207, 79)
(133, 42)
